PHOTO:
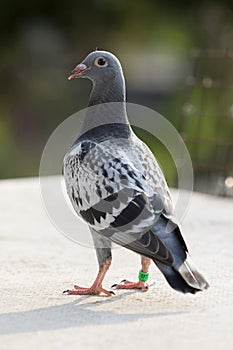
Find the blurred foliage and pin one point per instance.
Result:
(42, 41)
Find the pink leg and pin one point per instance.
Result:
(144, 286)
(96, 287)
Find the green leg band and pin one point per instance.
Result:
(143, 276)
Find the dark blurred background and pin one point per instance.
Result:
(177, 58)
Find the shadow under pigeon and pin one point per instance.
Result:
(73, 314)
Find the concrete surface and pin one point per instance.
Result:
(38, 263)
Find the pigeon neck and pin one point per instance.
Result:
(107, 104)
(112, 90)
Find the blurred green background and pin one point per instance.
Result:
(177, 58)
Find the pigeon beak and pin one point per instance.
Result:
(77, 71)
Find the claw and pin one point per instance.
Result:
(65, 291)
(116, 284)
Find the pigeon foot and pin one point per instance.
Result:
(96, 288)
(88, 291)
(125, 284)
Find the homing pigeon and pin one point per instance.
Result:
(116, 185)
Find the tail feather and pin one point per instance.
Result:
(192, 276)
(185, 279)
(182, 275)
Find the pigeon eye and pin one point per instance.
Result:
(101, 62)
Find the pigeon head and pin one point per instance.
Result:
(105, 72)
(98, 66)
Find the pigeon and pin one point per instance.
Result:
(117, 187)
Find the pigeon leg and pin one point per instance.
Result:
(144, 286)
(96, 287)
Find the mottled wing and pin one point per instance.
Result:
(110, 187)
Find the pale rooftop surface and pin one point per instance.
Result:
(38, 263)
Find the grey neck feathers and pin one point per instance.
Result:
(112, 90)
(107, 104)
